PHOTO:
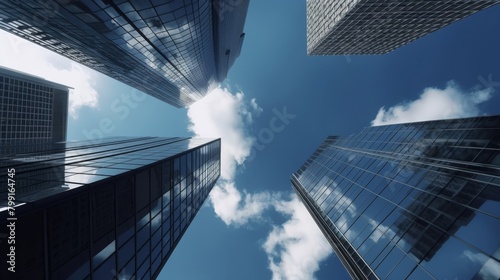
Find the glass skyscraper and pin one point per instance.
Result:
(107, 209)
(32, 109)
(410, 201)
(174, 50)
(343, 27)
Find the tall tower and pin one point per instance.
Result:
(410, 201)
(32, 109)
(338, 27)
(175, 51)
(105, 209)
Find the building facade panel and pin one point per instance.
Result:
(117, 209)
(32, 110)
(337, 27)
(417, 201)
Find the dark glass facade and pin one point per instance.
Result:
(410, 201)
(174, 50)
(107, 209)
(32, 109)
(344, 27)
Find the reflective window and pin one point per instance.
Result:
(103, 271)
(103, 210)
(143, 268)
(103, 254)
(125, 231)
(124, 221)
(124, 200)
(156, 182)
(142, 189)
(412, 206)
(127, 272)
(125, 253)
(143, 235)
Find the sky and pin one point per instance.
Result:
(275, 107)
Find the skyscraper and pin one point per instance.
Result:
(32, 109)
(105, 209)
(410, 201)
(336, 27)
(175, 50)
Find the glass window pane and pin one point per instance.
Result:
(105, 271)
(142, 189)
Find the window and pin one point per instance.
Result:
(142, 189)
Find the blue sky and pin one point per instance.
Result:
(276, 107)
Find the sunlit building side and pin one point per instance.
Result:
(410, 201)
(344, 27)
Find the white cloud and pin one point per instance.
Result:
(223, 114)
(435, 104)
(255, 106)
(295, 248)
(235, 209)
(24, 56)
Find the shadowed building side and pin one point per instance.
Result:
(116, 209)
(167, 50)
(32, 111)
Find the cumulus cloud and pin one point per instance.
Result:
(24, 56)
(295, 248)
(435, 104)
(236, 208)
(255, 106)
(223, 114)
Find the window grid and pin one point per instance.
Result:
(395, 197)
